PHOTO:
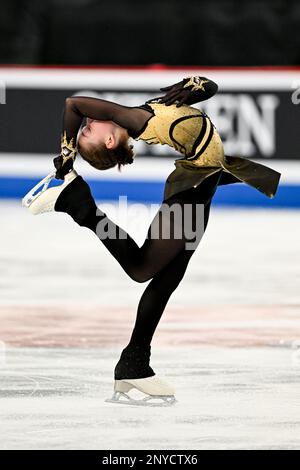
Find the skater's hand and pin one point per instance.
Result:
(176, 92)
(62, 169)
(64, 162)
(189, 91)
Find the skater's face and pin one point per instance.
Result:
(102, 132)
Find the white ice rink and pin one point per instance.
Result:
(229, 340)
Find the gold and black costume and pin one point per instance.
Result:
(191, 132)
(203, 166)
(171, 121)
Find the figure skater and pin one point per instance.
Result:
(104, 142)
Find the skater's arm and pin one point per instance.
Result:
(79, 107)
(189, 91)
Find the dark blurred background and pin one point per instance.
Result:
(131, 32)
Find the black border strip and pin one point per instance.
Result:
(208, 140)
(200, 136)
(174, 124)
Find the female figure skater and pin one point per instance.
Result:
(103, 142)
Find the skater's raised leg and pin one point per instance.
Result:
(140, 263)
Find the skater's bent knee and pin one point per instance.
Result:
(140, 276)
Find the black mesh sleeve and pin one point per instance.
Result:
(79, 107)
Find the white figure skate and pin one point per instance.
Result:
(39, 201)
(158, 393)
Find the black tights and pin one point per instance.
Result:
(163, 260)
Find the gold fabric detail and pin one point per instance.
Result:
(67, 148)
(184, 133)
(181, 128)
(185, 124)
(196, 83)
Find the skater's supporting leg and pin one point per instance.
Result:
(157, 294)
(135, 358)
(155, 298)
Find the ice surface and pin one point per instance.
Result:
(228, 399)
(229, 340)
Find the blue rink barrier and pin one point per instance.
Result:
(237, 195)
